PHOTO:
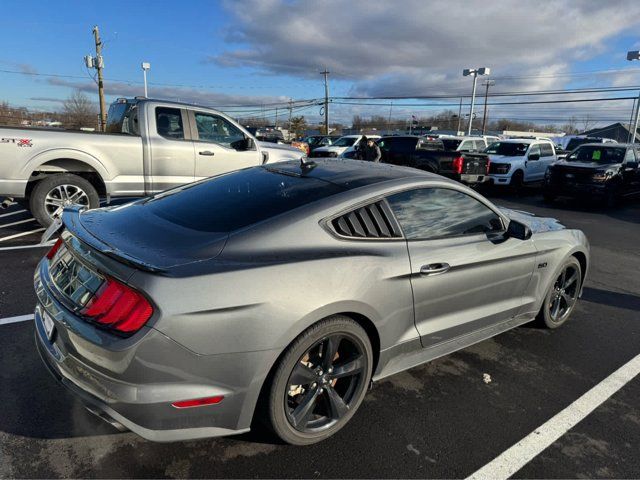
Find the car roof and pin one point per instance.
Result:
(347, 173)
(607, 145)
(520, 140)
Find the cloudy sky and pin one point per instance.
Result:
(266, 51)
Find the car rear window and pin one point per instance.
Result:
(239, 199)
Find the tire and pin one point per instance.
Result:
(611, 198)
(306, 413)
(548, 197)
(563, 291)
(517, 181)
(54, 192)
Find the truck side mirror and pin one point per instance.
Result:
(518, 230)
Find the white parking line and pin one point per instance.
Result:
(36, 245)
(18, 222)
(21, 234)
(12, 213)
(20, 318)
(510, 461)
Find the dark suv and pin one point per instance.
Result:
(608, 171)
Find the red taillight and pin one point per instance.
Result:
(198, 402)
(458, 162)
(118, 306)
(56, 246)
(488, 165)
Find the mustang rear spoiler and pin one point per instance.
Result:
(71, 221)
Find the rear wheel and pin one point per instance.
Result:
(320, 382)
(52, 194)
(562, 295)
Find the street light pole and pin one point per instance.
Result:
(145, 66)
(635, 55)
(488, 83)
(474, 72)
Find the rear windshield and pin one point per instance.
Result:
(235, 200)
(598, 154)
(507, 149)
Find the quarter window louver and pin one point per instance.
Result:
(371, 221)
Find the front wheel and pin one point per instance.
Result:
(52, 194)
(517, 181)
(562, 296)
(320, 382)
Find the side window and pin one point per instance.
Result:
(466, 146)
(629, 156)
(480, 145)
(431, 213)
(169, 123)
(546, 150)
(215, 129)
(534, 150)
(405, 145)
(385, 144)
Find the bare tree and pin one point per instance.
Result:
(79, 112)
(587, 123)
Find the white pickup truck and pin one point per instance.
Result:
(149, 146)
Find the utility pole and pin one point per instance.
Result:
(290, 111)
(99, 66)
(326, 101)
(459, 115)
(276, 117)
(389, 122)
(486, 83)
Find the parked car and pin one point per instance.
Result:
(302, 146)
(431, 156)
(270, 135)
(519, 161)
(344, 145)
(605, 171)
(464, 144)
(317, 141)
(277, 293)
(149, 146)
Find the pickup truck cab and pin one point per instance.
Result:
(520, 161)
(149, 146)
(344, 145)
(464, 144)
(431, 156)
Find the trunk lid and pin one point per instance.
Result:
(134, 235)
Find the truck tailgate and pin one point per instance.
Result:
(475, 164)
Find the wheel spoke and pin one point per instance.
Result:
(556, 309)
(348, 368)
(337, 406)
(568, 300)
(571, 280)
(304, 410)
(563, 277)
(302, 375)
(330, 349)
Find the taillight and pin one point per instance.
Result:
(56, 246)
(488, 164)
(118, 306)
(198, 402)
(458, 162)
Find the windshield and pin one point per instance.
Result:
(313, 140)
(450, 143)
(597, 154)
(344, 142)
(507, 149)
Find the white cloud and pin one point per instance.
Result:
(405, 47)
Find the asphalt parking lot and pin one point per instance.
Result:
(440, 420)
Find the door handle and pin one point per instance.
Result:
(207, 152)
(434, 268)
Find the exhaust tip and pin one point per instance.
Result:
(6, 203)
(105, 417)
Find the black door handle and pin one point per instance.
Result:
(207, 152)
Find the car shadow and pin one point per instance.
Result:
(612, 299)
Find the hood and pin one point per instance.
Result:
(278, 147)
(133, 234)
(502, 158)
(535, 223)
(585, 165)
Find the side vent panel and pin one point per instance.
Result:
(371, 221)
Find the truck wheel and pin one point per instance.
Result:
(51, 195)
(517, 181)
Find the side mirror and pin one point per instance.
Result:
(243, 144)
(534, 156)
(631, 165)
(518, 230)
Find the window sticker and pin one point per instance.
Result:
(596, 155)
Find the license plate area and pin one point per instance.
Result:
(49, 326)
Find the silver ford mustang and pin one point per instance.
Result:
(278, 293)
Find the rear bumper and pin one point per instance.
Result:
(134, 381)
